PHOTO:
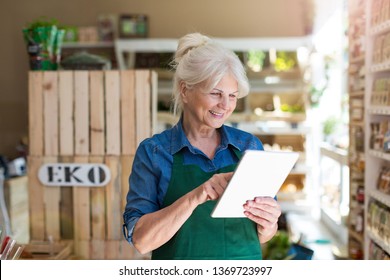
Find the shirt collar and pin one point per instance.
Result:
(180, 140)
(227, 138)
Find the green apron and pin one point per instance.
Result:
(203, 237)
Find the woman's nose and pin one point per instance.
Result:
(224, 101)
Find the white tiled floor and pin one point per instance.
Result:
(314, 235)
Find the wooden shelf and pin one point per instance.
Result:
(356, 94)
(357, 236)
(358, 59)
(356, 123)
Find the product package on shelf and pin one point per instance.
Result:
(378, 221)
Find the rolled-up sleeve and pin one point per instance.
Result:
(142, 197)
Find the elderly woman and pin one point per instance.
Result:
(178, 175)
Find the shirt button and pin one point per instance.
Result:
(211, 166)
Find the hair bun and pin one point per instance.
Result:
(188, 43)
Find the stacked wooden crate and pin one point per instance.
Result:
(16, 199)
(87, 117)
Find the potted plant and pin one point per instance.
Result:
(43, 40)
(329, 127)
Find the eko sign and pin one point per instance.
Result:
(74, 174)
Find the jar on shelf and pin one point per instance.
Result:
(359, 223)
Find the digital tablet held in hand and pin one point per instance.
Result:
(259, 173)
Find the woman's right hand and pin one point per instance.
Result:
(213, 188)
(151, 230)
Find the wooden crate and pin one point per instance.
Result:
(87, 117)
(38, 250)
(16, 199)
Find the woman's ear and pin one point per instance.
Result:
(183, 92)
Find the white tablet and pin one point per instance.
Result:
(259, 173)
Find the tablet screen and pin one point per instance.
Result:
(259, 173)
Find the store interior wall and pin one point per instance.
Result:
(168, 18)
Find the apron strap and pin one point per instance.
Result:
(237, 153)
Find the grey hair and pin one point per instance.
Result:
(201, 63)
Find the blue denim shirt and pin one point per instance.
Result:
(152, 166)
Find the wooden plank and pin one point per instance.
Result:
(83, 249)
(50, 113)
(98, 203)
(81, 90)
(35, 195)
(65, 253)
(35, 117)
(112, 249)
(52, 208)
(51, 150)
(126, 165)
(128, 113)
(113, 198)
(38, 250)
(112, 90)
(66, 96)
(66, 207)
(96, 96)
(81, 215)
(126, 251)
(98, 249)
(142, 102)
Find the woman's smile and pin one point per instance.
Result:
(216, 114)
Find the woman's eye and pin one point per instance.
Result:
(232, 96)
(215, 93)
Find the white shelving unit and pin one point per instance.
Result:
(87, 45)
(378, 65)
(237, 44)
(334, 183)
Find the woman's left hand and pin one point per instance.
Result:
(265, 212)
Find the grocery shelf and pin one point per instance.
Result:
(378, 240)
(380, 196)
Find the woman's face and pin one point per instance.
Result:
(214, 107)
